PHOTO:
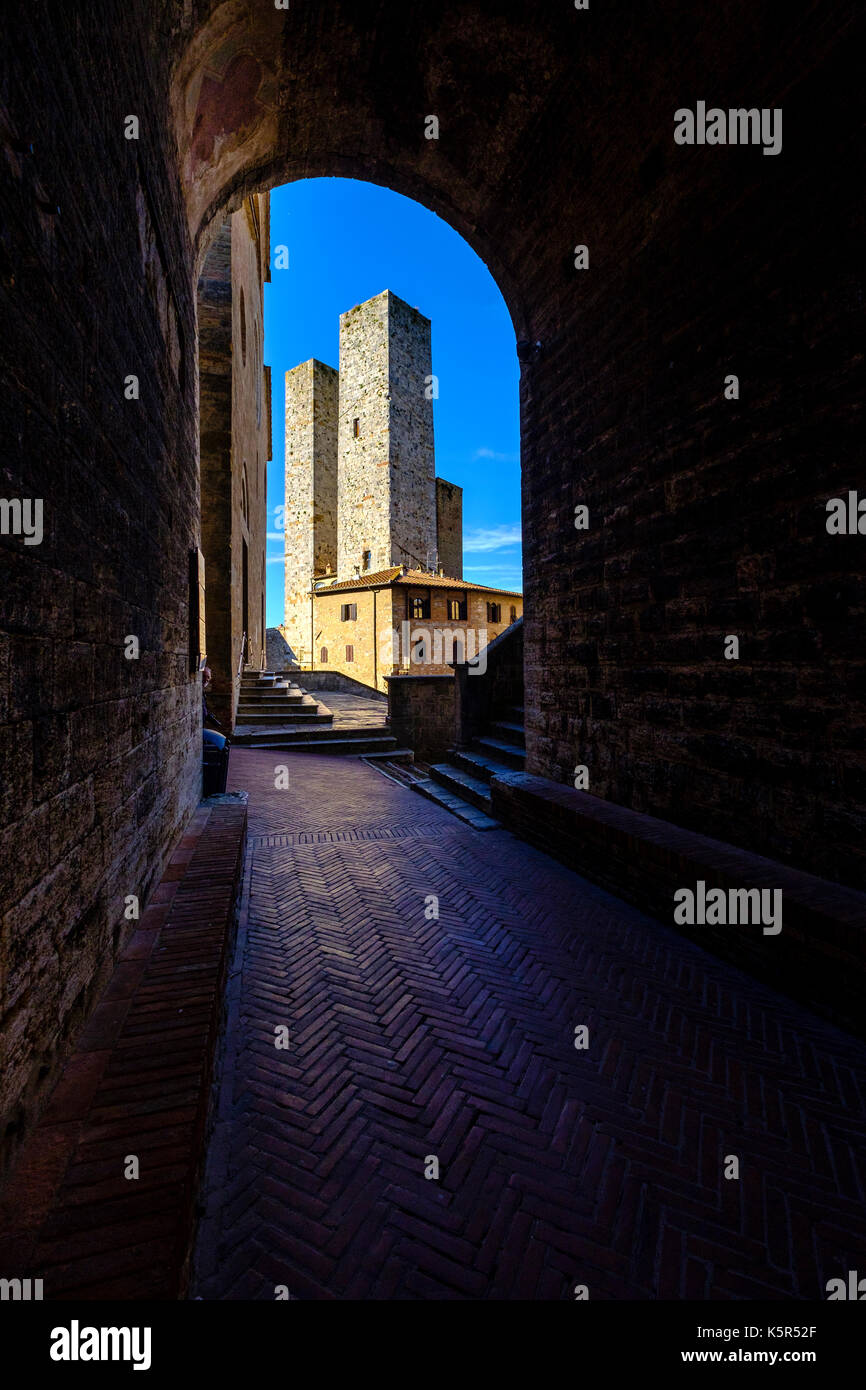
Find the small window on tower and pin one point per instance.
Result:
(356, 427)
(323, 656)
(350, 654)
(368, 556)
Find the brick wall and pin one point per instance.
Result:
(421, 714)
(482, 698)
(215, 444)
(99, 755)
(250, 429)
(234, 444)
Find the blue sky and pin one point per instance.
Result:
(348, 241)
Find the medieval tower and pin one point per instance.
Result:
(386, 491)
(361, 490)
(311, 490)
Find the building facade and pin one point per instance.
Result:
(401, 621)
(235, 446)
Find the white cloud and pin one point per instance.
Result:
(276, 559)
(491, 538)
(485, 453)
(276, 535)
(491, 569)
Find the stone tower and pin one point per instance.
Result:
(449, 528)
(311, 491)
(386, 494)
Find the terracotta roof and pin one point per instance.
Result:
(366, 581)
(416, 579)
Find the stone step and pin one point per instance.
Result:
(288, 702)
(506, 753)
(455, 804)
(310, 734)
(398, 766)
(277, 692)
(280, 684)
(480, 765)
(281, 699)
(398, 755)
(266, 682)
(347, 744)
(515, 713)
(472, 789)
(508, 732)
(296, 714)
(269, 687)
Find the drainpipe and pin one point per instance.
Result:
(375, 646)
(312, 620)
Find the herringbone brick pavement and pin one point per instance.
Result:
(454, 1038)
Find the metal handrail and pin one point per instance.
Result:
(243, 653)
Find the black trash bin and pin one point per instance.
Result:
(215, 762)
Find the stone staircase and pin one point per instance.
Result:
(272, 697)
(462, 784)
(275, 712)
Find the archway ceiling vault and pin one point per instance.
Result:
(262, 96)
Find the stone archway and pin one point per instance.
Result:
(624, 353)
